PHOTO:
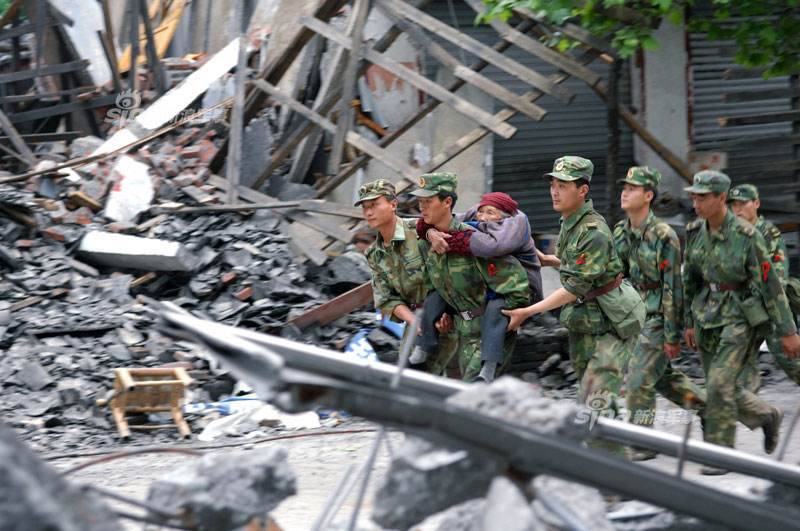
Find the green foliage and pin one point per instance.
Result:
(766, 32)
(4, 4)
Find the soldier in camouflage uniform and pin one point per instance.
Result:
(651, 258)
(399, 281)
(744, 202)
(463, 281)
(730, 289)
(589, 268)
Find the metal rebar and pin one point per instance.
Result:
(405, 350)
(131, 501)
(334, 496)
(567, 516)
(687, 404)
(362, 491)
(129, 453)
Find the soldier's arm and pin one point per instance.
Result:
(692, 281)
(589, 261)
(669, 267)
(386, 298)
(764, 279)
(621, 245)
(776, 247)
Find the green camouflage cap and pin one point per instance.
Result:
(642, 176)
(571, 168)
(432, 184)
(743, 192)
(374, 190)
(709, 181)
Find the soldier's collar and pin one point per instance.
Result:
(572, 220)
(722, 233)
(399, 232)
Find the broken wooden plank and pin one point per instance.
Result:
(24, 29)
(334, 308)
(47, 70)
(153, 59)
(163, 33)
(19, 98)
(536, 48)
(763, 118)
(457, 103)
(236, 129)
(229, 208)
(41, 138)
(479, 49)
(352, 137)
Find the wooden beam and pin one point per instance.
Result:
(40, 138)
(16, 140)
(479, 49)
(763, 118)
(236, 129)
(426, 109)
(42, 95)
(418, 80)
(63, 108)
(334, 308)
(24, 29)
(489, 86)
(47, 70)
(150, 50)
(536, 48)
(352, 138)
(274, 71)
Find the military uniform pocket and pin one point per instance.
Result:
(584, 318)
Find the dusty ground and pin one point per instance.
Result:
(319, 462)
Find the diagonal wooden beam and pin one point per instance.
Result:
(352, 138)
(479, 49)
(435, 90)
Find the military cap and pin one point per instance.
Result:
(743, 192)
(642, 176)
(709, 181)
(571, 168)
(432, 184)
(374, 190)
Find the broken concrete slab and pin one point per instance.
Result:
(425, 479)
(223, 492)
(132, 191)
(520, 403)
(133, 252)
(34, 497)
(586, 504)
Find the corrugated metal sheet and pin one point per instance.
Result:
(752, 150)
(575, 129)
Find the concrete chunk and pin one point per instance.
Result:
(508, 509)
(585, 503)
(424, 479)
(133, 252)
(221, 491)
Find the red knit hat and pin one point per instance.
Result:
(500, 200)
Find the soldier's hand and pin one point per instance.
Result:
(516, 317)
(438, 241)
(548, 260)
(672, 350)
(688, 336)
(791, 345)
(445, 323)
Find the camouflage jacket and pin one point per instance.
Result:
(776, 247)
(462, 281)
(735, 254)
(651, 259)
(588, 261)
(398, 271)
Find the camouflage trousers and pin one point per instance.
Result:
(469, 348)
(649, 371)
(725, 352)
(447, 346)
(599, 362)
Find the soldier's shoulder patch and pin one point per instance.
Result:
(663, 230)
(592, 225)
(694, 225)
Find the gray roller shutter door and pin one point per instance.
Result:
(753, 150)
(575, 129)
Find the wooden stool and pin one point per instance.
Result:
(149, 391)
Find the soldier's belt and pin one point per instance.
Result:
(474, 313)
(722, 286)
(648, 286)
(602, 290)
